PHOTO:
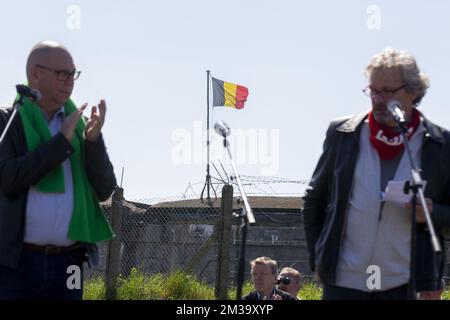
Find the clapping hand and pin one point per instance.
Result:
(95, 123)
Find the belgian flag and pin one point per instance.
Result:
(228, 94)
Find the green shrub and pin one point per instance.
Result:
(446, 294)
(138, 286)
(183, 286)
(310, 291)
(94, 289)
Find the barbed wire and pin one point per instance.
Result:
(255, 185)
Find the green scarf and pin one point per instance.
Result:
(88, 223)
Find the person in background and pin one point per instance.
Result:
(289, 280)
(264, 272)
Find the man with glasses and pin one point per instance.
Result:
(289, 281)
(359, 244)
(54, 170)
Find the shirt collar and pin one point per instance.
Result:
(59, 113)
(260, 297)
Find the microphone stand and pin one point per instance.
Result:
(17, 104)
(417, 188)
(246, 217)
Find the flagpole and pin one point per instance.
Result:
(207, 185)
(208, 176)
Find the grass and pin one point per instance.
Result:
(310, 291)
(138, 286)
(94, 289)
(446, 294)
(180, 286)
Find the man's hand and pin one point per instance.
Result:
(420, 213)
(70, 122)
(95, 123)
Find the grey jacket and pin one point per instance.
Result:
(20, 169)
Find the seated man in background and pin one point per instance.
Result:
(264, 277)
(289, 281)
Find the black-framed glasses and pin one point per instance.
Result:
(284, 280)
(384, 93)
(63, 75)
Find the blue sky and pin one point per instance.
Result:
(302, 61)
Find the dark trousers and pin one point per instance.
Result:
(43, 277)
(331, 292)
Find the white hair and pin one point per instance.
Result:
(390, 58)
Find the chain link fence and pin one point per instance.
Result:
(164, 235)
(157, 237)
(178, 233)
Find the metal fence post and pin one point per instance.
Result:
(113, 257)
(224, 239)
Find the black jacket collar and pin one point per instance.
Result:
(353, 124)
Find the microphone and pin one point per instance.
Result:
(26, 91)
(222, 128)
(397, 113)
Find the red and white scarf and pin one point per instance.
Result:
(389, 142)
